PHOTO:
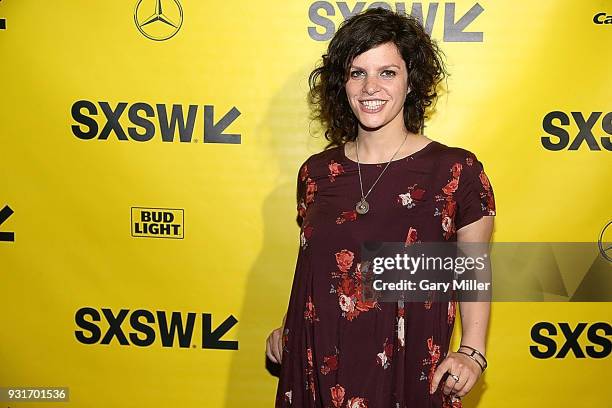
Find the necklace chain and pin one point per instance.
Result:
(363, 197)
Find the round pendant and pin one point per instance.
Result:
(362, 206)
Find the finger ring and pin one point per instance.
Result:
(455, 377)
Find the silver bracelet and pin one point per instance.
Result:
(471, 355)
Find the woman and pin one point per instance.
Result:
(379, 179)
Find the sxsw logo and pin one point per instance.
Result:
(157, 222)
(5, 213)
(143, 328)
(2, 23)
(556, 123)
(455, 23)
(559, 339)
(146, 122)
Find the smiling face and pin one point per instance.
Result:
(376, 87)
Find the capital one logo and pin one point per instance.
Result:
(602, 18)
(158, 20)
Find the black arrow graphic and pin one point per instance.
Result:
(211, 338)
(213, 132)
(4, 214)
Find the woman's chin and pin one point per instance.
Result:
(371, 125)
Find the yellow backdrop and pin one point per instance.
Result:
(90, 154)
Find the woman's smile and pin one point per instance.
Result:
(372, 105)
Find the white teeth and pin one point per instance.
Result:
(373, 105)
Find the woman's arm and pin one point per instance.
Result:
(475, 315)
(474, 322)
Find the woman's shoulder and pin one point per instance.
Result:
(323, 158)
(454, 154)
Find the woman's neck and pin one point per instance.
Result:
(378, 147)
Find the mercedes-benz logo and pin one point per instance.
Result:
(158, 21)
(604, 244)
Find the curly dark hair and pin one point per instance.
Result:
(360, 33)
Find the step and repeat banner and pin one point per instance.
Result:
(147, 189)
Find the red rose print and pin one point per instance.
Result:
(347, 286)
(347, 305)
(346, 216)
(456, 170)
(451, 312)
(384, 358)
(337, 395)
(447, 224)
(335, 169)
(490, 204)
(434, 356)
(451, 187)
(389, 349)
(411, 237)
(330, 363)
(448, 217)
(308, 231)
(450, 401)
(358, 270)
(305, 235)
(311, 188)
(304, 173)
(357, 402)
(364, 306)
(344, 259)
(350, 287)
(484, 180)
(450, 207)
(301, 208)
(310, 313)
(310, 374)
(418, 193)
(411, 197)
(288, 396)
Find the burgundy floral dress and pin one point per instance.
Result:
(342, 351)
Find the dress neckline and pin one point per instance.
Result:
(410, 156)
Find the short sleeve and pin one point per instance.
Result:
(474, 197)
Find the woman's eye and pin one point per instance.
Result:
(386, 73)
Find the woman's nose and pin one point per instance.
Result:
(370, 86)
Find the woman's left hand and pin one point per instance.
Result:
(461, 366)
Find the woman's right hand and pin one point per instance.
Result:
(274, 345)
